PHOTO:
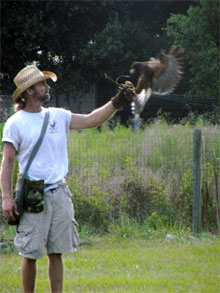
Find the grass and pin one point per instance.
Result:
(126, 168)
(148, 172)
(158, 146)
(112, 264)
(167, 149)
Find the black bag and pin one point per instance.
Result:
(33, 196)
(29, 198)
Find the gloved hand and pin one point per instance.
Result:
(123, 97)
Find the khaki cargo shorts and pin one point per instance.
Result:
(51, 231)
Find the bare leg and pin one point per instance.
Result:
(55, 269)
(28, 274)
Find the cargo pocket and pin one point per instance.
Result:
(24, 240)
(75, 235)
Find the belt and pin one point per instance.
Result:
(48, 185)
(53, 189)
(54, 186)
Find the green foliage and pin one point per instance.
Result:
(197, 33)
(7, 234)
(183, 202)
(145, 177)
(91, 210)
(145, 197)
(111, 44)
(210, 118)
(79, 40)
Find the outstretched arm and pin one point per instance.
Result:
(95, 118)
(100, 115)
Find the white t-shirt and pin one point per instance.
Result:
(23, 130)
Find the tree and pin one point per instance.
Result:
(80, 40)
(50, 33)
(198, 33)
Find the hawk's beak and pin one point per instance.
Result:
(133, 75)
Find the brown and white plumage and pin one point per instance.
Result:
(158, 76)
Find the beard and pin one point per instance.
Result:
(42, 98)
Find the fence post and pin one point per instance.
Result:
(136, 122)
(197, 175)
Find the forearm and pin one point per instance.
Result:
(100, 115)
(95, 118)
(6, 178)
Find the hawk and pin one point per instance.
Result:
(157, 76)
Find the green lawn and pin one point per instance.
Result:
(107, 264)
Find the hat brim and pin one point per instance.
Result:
(33, 81)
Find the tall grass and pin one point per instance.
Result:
(143, 175)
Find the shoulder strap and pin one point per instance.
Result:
(37, 145)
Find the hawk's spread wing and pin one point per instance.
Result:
(161, 76)
(166, 81)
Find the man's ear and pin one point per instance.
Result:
(29, 91)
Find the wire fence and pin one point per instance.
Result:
(149, 169)
(120, 172)
(160, 149)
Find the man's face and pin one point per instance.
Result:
(41, 91)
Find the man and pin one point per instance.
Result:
(52, 229)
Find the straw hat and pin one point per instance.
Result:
(29, 76)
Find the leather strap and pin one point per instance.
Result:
(37, 146)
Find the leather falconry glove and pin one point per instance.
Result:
(123, 97)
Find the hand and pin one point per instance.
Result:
(123, 97)
(9, 208)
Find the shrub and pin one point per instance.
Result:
(91, 210)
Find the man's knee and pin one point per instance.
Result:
(29, 261)
(55, 256)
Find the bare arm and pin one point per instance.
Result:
(8, 203)
(95, 118)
